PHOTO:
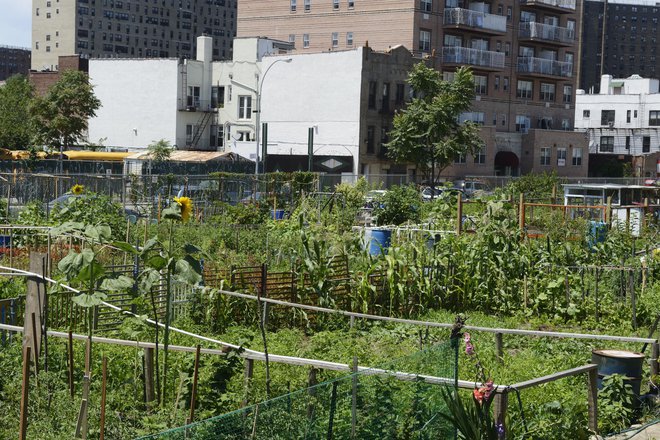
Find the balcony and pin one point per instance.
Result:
(546, 68)
(475, 20)
(562, 6)
(194, 104)
(485, 59)
(547, 33)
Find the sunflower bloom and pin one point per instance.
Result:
(77, 189)
(186, 205)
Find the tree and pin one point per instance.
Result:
(60, 117)
(160, 151)
(15, 97)
(428, 132)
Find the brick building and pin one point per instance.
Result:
(13, 60)
(128, 29)
(43, 80)
(522, 54)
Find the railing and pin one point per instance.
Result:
(547, 32)
(563, 4)
(475, 57)
(195, 105)
(545, 67)
(475, 19)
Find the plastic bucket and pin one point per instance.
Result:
(277, 214)
(622, 362)
(379, 241)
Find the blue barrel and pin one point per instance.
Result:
(597, 233)
(277, 214)
(622, 362)
(379, 241)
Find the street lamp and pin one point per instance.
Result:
(257, 92)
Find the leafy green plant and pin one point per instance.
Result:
(615, 404)
(398, 205)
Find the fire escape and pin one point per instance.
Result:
(191, 102)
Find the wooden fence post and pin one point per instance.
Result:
(521, 214)
(34, 305)
(193, 393)
(499, 347)
(592, 397)
(459, 214)
(354, 397)
(72, 386)
(104, 384)
(25, 393)
(264, 293)
(500, 406)
(249, 372)
(312, 393)
(655, 352)
(149, 387)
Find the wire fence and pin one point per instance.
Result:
(370, 404)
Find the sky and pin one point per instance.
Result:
(16, 23)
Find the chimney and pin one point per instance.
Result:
(605, 82)
(204, 49)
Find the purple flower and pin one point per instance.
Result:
(469, 349)
(500, 430)
(466, 337)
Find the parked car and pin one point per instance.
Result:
(429, 193)
(473, 188)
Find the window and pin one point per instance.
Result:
(607, 117)
(217, 136)
(568, 94)
(400, 93)
(47, 48)
(426, 5)
(294, 5)
(460, 159)
(475, 117)
(628, 114)
(646, 144)
(47, 14)
(292, 38)
(372, 94)
(335, 5)
(480, 84)
(371, 133)
(561, 157)
(509, 13)
(245, 107)
(545, 156)
(349, 38)
(547, 92)
(192, 99)
(424, 41)
(577, 156)
(480, 157)
(335, 39)
(635, 114)
(351, 4)
(507, 49)
(191, 131)
(586, 114)
(386, 97)
(496, 85)
(217, 97)
(524, 90)
(654, 117)
(522, 123)
(305, 40)
(48, 37)
(505, 83)
(606, 144)
(448, 76)
(308, 5)
(627, 142)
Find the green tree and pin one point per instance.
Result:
(428, 132)
(160, 151)
(15, 98)
(60, 117)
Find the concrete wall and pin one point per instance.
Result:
(313, 90)
(138, 101)
(53, 32)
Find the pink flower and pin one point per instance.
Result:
(488, 389)
(469, 349)
(478, 395)
(466, 337)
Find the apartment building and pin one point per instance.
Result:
(221, 106)
(13, 60)
(128, 29)
(522, 53)
(622, 123)
(619, 38)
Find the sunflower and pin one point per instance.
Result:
(77, 189)
(186, 205)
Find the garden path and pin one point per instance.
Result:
(651, 432)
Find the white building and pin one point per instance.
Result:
(204, 105)
(622, 121)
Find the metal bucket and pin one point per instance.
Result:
(622, 362)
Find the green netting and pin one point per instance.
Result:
(400, 400)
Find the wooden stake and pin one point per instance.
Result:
(249, 371)
(149, 388)
(35, 348)
(521, 215)
(72, 387)
(592, 397)
(459, 214)
(499, 347)
(354, 397)
(25, 391)
(254, 422)
(81, 426)
(333, 407)
(193, 394)
(500, 406)
(103, 392)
